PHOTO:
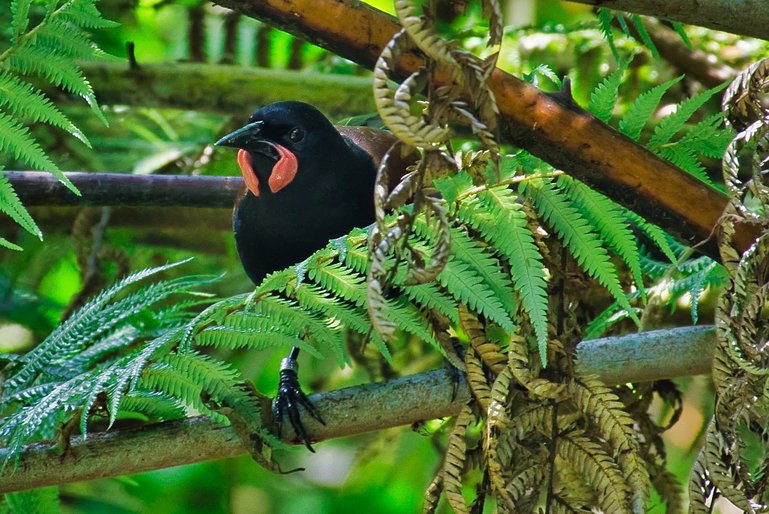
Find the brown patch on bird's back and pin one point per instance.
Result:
(376, 143)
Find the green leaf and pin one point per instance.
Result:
(578, 236)
(604, 96)
(679, 28)
(23, 100)
(685, 158)
(653, 232)
(20, 16)
(605, 17)
(669, 126)
(638, 22)
(506, 229)
(641, 110)
(84, 13)
(608, 218)
(12, 206)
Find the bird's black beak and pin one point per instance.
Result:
(244, 137)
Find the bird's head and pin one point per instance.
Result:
(280, 135)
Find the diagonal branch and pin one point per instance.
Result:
(407, 400)
(551, 127)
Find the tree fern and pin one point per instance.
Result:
(642, 108)
(577, 235)
(86, 355)
(47, 48)
(604, 96)
(670, 125)
(607, 217)
(505, 227)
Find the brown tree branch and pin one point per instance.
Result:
(638, 357)
(746, 17)
(549, 126)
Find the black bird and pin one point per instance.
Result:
(307, 182)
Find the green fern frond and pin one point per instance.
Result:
(288, 314)
(84, 13)
(9, 245)
(57, 69)
(153, 404)
(709, 137)
(93, 321)
(314, 298)
(658, 236)
(186, 377)
(505, 228)
(61, 37)
(23, 100)
(685, 158)
(640, 111)
(679, 28)
(463, 282)
(431, 297)
(487, 265)
(670, 126)
(17, 140)
(607, 217)
(12, 206)
(336, 277)
(257, 333)
(20, 16)
(605, 17)
(644, 34)
(576, 233)
(604, 96)
(610, 316)
(451, 187)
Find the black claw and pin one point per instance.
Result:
(288, 399)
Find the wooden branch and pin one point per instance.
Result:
(125, 189)
(549, 126)
(638, 357)
(230, 89)
(746, 17)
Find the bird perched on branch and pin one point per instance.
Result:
(307, 182)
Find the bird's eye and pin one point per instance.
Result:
(296, 135)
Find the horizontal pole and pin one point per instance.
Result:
(638, 357)
(125, 189)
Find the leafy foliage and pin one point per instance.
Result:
(113, 356)
(44, 45)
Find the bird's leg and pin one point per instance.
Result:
(290, 396)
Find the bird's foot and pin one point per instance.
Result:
(288, 399)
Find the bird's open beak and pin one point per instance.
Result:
(244, 137)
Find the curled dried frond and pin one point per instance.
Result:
(396, 112)
(454, 461)
(488, 351)
(477, 379)
(598, 469)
